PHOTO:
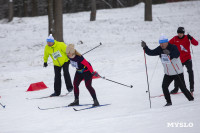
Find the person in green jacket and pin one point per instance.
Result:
(57, 51)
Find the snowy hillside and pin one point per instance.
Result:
(120, 58)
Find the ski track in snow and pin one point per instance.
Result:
(120, 58)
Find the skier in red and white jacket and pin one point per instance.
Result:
(183, 41)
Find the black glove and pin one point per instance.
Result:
(189, 37)
(45, 64)
(143, 44)
(95, 74)
(166, 51)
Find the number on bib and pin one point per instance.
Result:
(74, 64)
(165, 59)
(56, 55)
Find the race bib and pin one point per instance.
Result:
(165, 59)
(56, 55)
(74, 64)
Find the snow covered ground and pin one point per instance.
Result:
(120, 58)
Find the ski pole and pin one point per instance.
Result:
(88, 51)
(147, 79)
(92, 48)
(116, 82)
(195, 63)
(3, 105)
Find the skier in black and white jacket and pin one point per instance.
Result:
(173, 69)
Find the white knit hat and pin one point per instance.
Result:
(163, 39)
(50, 38)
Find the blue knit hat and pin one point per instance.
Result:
(50, 38)
(163, 39)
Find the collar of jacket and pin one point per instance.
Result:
(181, 37)
(169, 46)
(55, 44)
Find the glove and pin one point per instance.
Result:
(45, 64)
(143, 44)
(166, 51)
(95, 74)
(189, 37)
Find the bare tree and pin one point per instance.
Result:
(93, 10)
(34, 7)
(55, 17)
(58, 20)
(50, 17)
(10, 12)
(114, 3)
(148, 10)
(25, 4)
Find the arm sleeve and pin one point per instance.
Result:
(174, 53)
(46, 55)
(153, 52)
(194, 42)
(85, 63)
(63, 47)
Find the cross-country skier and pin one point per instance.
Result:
(84, 71)
(57, 51)
(173, 69)
(182, 41)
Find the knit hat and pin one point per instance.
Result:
(181, 30)
(70, 49)
(50, 38)
(163, 39)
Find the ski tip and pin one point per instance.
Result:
(100, 43)
(75, 109)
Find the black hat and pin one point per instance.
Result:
(181, 30)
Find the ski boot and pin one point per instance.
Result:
(174, 91)
(168, 104)
(96, 103)
(75, 103)
(54, 95)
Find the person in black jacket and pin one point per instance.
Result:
(173, 69)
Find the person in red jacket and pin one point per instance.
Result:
(183, 41)
(84, 71)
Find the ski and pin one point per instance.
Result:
(47, 97)
(92, 107)
(62, 107)
(163, 95)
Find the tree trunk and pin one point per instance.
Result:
(25, 3)
(148, 10)
(93, 10)
(10, 6)
(114, 3)
(58, 19)
(50, 17)
(34, 8)
(130, 2)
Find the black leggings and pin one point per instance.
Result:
(179, 79)
(87, 76)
